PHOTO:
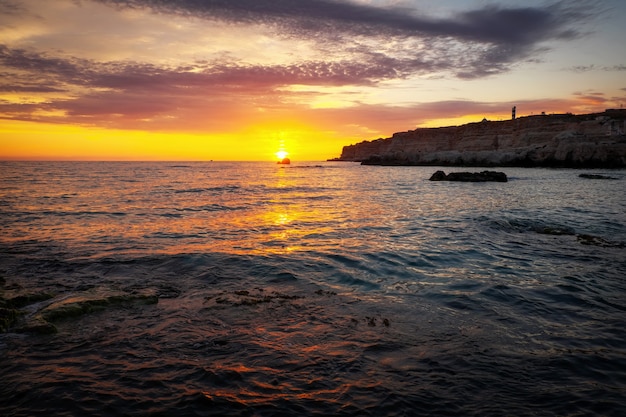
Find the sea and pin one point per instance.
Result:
(311, 289)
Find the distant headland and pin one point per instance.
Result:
(596, 140)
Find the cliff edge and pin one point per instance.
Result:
(595, 140)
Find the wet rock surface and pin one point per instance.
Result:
(37, 313)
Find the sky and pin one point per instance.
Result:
(244, 79)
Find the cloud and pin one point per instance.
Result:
(582, 68)
(489, 24)
(138, 76)
(490, 38)
(10, 7)
(132, 95)
(592, 67)
(216, 97)
(353, 45)
(391, 119)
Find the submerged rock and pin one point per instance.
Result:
(7, 318)
(36, 325)
(87, 303)
(23, 300)
(483, 176)
(554, 230)
(11, 308)
(597, 177)
(248, 298)
(598, 241)
(37, 313)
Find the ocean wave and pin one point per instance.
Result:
(209, 190)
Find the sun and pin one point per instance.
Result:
(282, 154)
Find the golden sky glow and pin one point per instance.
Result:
(243, 80)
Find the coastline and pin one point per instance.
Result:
(586, 141)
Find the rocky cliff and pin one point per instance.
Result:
(563, 140)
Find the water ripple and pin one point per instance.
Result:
(346, 290)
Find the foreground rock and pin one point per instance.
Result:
(483, 176)
(561, 140)
(11, 308)
(38, 313)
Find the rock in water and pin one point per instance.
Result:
(483, 176)
(36, 313)
(597, 177)
(438, 176)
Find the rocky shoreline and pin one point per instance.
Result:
(595, 140)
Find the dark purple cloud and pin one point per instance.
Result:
(492, 24)
(122, 75)
(126, 94)
(472, 44)
(503, 35)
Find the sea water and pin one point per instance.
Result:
(314, 289)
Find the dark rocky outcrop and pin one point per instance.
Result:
(562, 140)
(483, 176)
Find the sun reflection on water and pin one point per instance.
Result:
(155, 208)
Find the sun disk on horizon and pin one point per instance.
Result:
(281, 154)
